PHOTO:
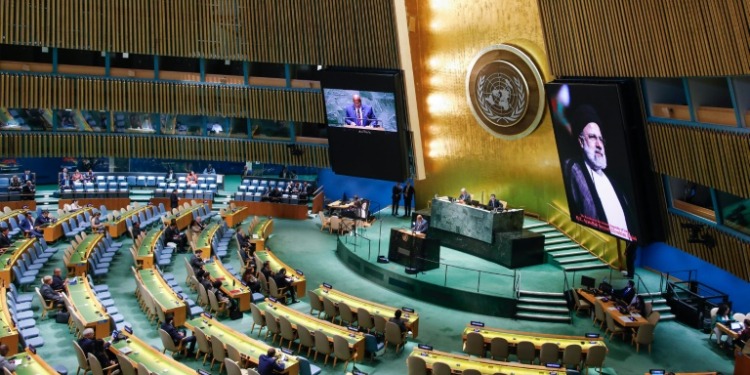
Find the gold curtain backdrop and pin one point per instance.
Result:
(280, 31)
(30, 91)
(458, 151)
(163, 147)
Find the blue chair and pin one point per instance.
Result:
(199, 194)
(242, 188)
(305, 368)
(97, 288)
(120, 179)
(111, 179)
(239, 196)
(160, 193)
(20, 298)
(42, 254)
(161, 180)
(141, 181)
(21, 278)
(66, 230)
(74, 227)
(372, 347)
(14, 229)
(181, 179)
(21, 306)
(162, 211)
(103, 210)
(131, 181)
(96, 269)
(19, 315)
(201, 180)
(189, 194)
(151, 181)
(82, 222)
(26, 259)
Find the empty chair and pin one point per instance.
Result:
(286, 331)
(581, 304)
(474, 344)
(549, 353)
(645, 336)
(613, 327)
(306, 339)
(595, 357)
(346, 314)
(126, 367)
(83, 363)
(272, 327)
(654, 318)
(232, 367)
(499, 349)
(96, 366)
(416, 365)
(572, 356)
(394, 336)
(440, 368)
(219, 352)
(341, 351)
(330, 309)
(202, 344)
(526, 351)
(322, 346)
(599, 315)
(364, 319)
(379, 323)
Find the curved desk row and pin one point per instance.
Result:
(274, 209)
(31, 364)
(53, 231)
(118, 227)
(145, 251)
(91, 312)
(162, 294)
(298, 278)
(610, 307)
(230, 285)
(137, 351)
(205, 239)
(538, 339)
(8, 332)
(78, 262)
(9, 258)
(259, 230)
(483, 365)
(185, 216)
(235, 216)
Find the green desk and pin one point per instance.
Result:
(8, 332)
(79, 260)
(13, 254)
(53, 231)
(165, 297)
(118, 227)
(538, 339)
(250, 349)
(93, 314)
(184, 217)
(31, 364)
(356, 339)
(145, 254)
(204, 239)
(298, 281)
(153, 359)
(230, 285)
(483, 365)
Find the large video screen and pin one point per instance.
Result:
(361, 109)
(590, 128)
(366, 117)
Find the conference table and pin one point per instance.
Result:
(259, 232)
(250, 349)
(230, 285)
(236, 215)
(79, 260)
(356, 340)
(205, 238)
(411, 319)
(166, 298)
(538, 339)
(727, 331)
(145, 255)
(298, 277)
(9, 258)
(483, 365)
(31, 364)
(118, 227)
(184, 217)
(9, 334)
(93, 314)
(141, 352)
(611, 308)
(53, 231)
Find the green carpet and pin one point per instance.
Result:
(301, 245)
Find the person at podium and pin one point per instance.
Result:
(464, 197)
(420, 226)
(358, 114)
(494, 203)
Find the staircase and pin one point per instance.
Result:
(542, 306)
(659, 304)
(221, 199)
(141, 195)
(562, 251)
(46, 200)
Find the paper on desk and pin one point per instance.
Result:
(612, 308)
(625, 318)
(601, 297)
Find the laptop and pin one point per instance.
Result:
(735, 326)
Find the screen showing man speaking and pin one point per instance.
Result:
(361, 109)
(591, 141)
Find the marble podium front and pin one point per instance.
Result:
(473, 222)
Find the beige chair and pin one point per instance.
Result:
(334, 225)
(614, 328)
(234, 355)
(331, 311)
(126, 367)
(474, 345)
(287, 332)
(581, 304)
(315, 303)
(347, 316)
(341, 351)
(499, 349)
(233, 368)
(263, 281)
(379, 322)
(142, 370)
(440, 368)
(654, 318)
(645, 336)
(324, 221)
(202, 344)
(7, 210)
(161, 317)
(166, 340)
(572, 356)
(322, 346)
(526, 351)
(203, 299)
(471, 371)
(97, 369)
(713, 321)
(549, 353)
(83, 363)
(416, 365)
(599, 315)
(257, 319)
(306, 339)
(46, 305)
(219, 353)
(648, 308)
(738, 317)
(272, 327)
(364, 319)
(393, 336)
(595, 357)
(276, 292)
(217, 307)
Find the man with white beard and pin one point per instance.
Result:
(594, 199)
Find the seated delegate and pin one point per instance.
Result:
(420, 226)
(464, 197)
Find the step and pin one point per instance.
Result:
(662, 309)
(561, 254)
(544, 317)
(667, 316)
(657, 301)
(545, 309)
(556, 241)
(542, 294)
(587, 258)
(553, 235)
(535, 225)
(578, 267)
(562, 247)
(650, 294)
(542, 301)
(543, 229)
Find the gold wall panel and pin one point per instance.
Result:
(637, 38)
(281, 31)
(131, 146)
(28, 91)
(714, 158)
(458, 152)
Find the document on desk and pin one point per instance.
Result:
(612, 308)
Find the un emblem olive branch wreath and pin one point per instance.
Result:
(518, 109)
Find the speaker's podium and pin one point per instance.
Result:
(414, 251)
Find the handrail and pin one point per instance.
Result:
(639, 283)
(666, 276)
(566, 287)
(517, 284)
(588, 239)
(479, 272)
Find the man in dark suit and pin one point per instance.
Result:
(399, 322)
(27, 176)
(245, 245)
(5, 241)
(64, 179)
(266, 270)
(284, 173)
(282, 281)
(59, 284)
(87, 341)
(40, 222)
(170, 177)
(29, 191)
(464, 197)
(268, 364)
(174, 200)
(396, 198)
(420, 226)
(494, 203)
(136, 229)
(275, 195)
(630, 254)
(359, 114)
(49, 294)
(627, 293)
(246, 173)
(172, 234)
(408, 198)
(196, 261)
(26, 225)
(177, 336)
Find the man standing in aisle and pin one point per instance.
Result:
(408, 198)
(396, 198)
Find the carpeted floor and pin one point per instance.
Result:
(301, 245)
